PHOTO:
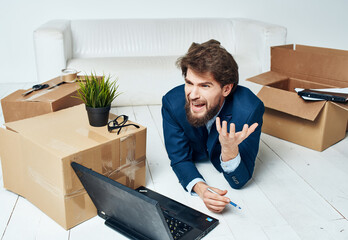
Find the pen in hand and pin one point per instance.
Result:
(232, 203)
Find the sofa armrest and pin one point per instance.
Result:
(53, 47)
(254, 39)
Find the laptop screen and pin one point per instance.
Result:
(132, 212)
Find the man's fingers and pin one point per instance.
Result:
(252, 128)
(232, 130)
(214, 202)
(217, 196)
(215, 209)
(243, 134)
(218, 125)
(224, 128)
(245, 128)
(215, 205)
(244, 131)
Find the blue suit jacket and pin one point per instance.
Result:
(185, 144)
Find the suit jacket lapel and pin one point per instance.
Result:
(204, 133)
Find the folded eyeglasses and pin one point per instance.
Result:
(119, 123)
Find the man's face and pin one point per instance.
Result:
(204, 97)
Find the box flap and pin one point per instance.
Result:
(268, 78)
(66, 132)
(341, 105)
(320, 65)
(290, 103)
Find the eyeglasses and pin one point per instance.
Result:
(119, 123)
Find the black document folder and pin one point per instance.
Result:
(329, 96)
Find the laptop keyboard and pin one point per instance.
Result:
(176, 227)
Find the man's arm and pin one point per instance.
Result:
(229, 142)
(245, 142)
(178, 146)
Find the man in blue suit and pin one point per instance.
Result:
(211, 117)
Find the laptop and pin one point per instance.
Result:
(142, 213)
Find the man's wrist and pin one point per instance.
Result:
(229, 154)
(199, 188)
(230, 165)
(191, 184)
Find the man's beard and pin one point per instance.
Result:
(201, 121)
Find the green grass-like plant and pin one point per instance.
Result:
(97, 92)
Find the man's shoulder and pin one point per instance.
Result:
(244, 98)
(246, 95)
(177, 91)
(175, 97)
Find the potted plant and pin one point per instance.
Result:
(98, 93)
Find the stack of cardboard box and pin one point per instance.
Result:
(36, 154)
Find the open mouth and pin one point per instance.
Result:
(197, 107)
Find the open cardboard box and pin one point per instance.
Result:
(16, 106)
(313, 124)
(36, 154)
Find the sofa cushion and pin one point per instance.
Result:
(142, 80)
(146, 37)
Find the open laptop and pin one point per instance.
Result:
(142, 213)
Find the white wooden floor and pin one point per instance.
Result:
(296, 193)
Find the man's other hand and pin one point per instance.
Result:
(214, 202)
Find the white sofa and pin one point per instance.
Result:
(142, 52)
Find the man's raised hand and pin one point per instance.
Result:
(230, 140)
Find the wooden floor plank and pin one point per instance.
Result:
(338, 154)
(94, 228)
(323, 171)
(331, 230)
(281, 232)
(7, 204)
(155, 111)
(28, 222)
(295, 199)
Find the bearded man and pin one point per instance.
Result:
(211, 117)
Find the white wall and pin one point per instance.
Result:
(310, 22)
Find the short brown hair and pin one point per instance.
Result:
(210, 57)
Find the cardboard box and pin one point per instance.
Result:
(16, 106)
(36, 154)
(316, 125)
